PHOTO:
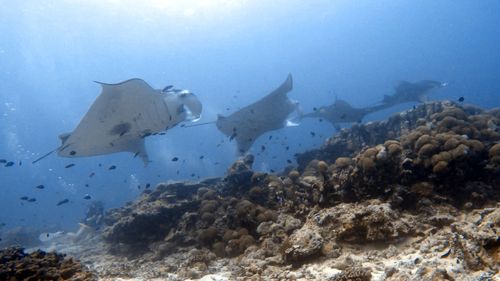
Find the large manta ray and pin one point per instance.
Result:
(267, 114)
(123, 115)
(411, 92)
(342, 112)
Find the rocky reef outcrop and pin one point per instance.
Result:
(414, 197)
(15, 264)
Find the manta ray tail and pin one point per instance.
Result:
(199, 124)
(45, 155)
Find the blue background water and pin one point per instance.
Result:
(230, 53)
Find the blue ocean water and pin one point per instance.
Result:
(229, 53)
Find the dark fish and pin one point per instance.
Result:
(177, 172)
(343, 116)
(20, 163)
(91, 174)
(263, 147)
(289, 161)
(112, 167)
(24, 198)
(41, 186)
(192, 175)
(313, 134)
(3, 161)
(175, 159)
(287, 147)
(461, 99)
(167, 88)
(100, 165)
(201, 157)
(72, 152)
(139, 186)
(320, 119)
(147, 185)
(9, 164)
(315, 109)
(272, 171)
(270, 137)
(62, 202)
(69, 165)
(86, 185)
(232, 136)
(87, 197)
(31, 200)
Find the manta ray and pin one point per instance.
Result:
(123, 115)
(267, 114)
(411, 92)
(342, 112)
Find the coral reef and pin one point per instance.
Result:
(414, 197)
(15, 264)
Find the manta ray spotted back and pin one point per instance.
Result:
(123, 115)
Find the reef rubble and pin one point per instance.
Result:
(15, 264)
(413, 197)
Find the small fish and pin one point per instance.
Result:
(287, 148)
(31, 200)
(91, 174)
(24, 198)
(86, 185)
(41, 186)
(461, 99)
(3, 161)
(270, 137)
(232, 136)
(272, 171)
(289, 161)
(72, 152)
(112, 167)
(201, 157)
(20, 163)
(167, 88)
(9, 164)
(147, 185)
(320, 119)
(313, 134)
(62, 202)
(343, 116)
(192, 175)
(263, 147)
(138, 186)
(87, 197)
(69, 166)
(175, 159)
(315, 109)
